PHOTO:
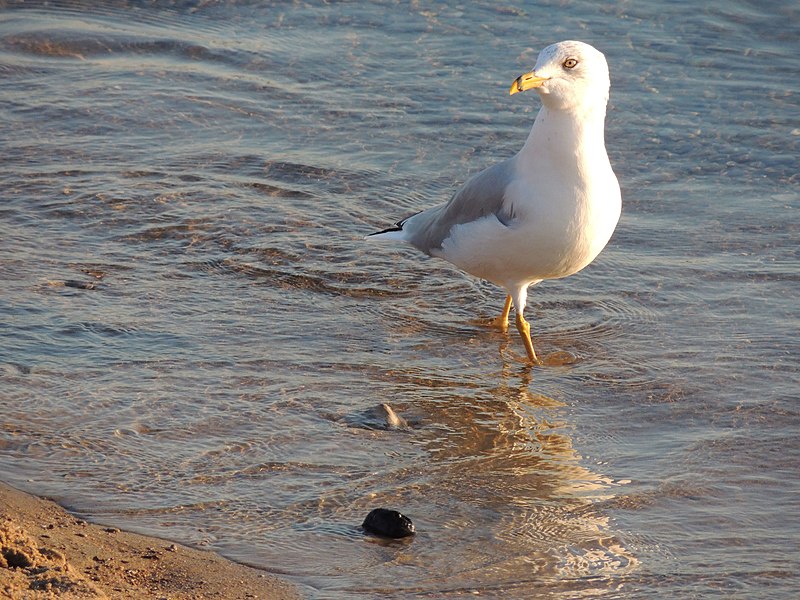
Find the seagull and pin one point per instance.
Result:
(544, 213)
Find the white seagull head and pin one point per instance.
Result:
(569, 75)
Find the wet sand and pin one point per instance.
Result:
(45, 552)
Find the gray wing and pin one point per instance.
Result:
(480, 196)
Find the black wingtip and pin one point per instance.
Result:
(396, 227)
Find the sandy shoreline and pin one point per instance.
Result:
(45, 552)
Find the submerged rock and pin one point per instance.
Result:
(80, 285)
(388, 523)
(393, 420)
(379, 416)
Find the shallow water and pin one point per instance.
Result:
(195, 338)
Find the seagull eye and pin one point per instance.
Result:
(570, 63)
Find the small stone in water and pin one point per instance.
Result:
(388, 523)
(393, 420)
(80, 285)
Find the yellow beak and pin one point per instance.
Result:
(526, 81)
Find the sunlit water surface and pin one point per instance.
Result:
(195, 338)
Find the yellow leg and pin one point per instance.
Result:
(525, 333)
(502, 320)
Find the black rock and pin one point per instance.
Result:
(388, 523)
(80, 285)
(393, 420)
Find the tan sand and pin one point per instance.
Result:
(47, 553)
